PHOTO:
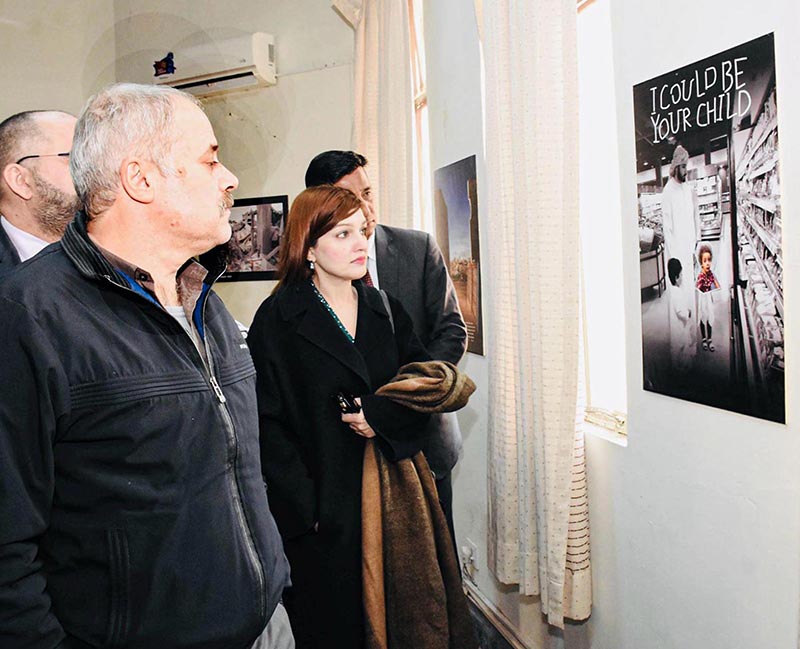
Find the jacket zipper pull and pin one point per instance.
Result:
(217, 390)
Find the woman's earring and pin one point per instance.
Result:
(311, 265)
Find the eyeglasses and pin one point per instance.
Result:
(44, 155)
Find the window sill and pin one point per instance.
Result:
(604, 433)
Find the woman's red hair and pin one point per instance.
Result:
(314, 212)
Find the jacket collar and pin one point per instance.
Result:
(91, 263)
(319, 328)
(80, 250)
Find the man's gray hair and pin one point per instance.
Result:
(122, 120)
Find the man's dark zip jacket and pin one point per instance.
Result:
(132, 508)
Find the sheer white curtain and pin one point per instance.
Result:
(384, 102)
(536, 471)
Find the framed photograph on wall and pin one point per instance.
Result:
(711, 239)
(455, 205)
(257, 226)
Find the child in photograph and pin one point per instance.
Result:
(706, 282)
(681, 328)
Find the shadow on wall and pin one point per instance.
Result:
(253, 127)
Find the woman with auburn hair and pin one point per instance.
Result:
(322, 343)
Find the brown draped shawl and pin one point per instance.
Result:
(413, 598)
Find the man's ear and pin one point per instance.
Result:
(136, 179)
(18, 180)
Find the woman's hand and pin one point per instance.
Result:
(358, 422)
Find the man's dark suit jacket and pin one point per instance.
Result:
(8, 253)
(411, 268)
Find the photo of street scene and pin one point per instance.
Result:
(257, 226)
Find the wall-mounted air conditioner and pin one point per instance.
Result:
(230, 65)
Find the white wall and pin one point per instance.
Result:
(55, 54)
(267, 137)
(695, 524)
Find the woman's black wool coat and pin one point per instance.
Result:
(311, 460)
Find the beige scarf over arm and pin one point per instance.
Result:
(431, 386)
(413, 597)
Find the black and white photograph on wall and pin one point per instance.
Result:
(710, 232)
(455, 204)
(257, 227)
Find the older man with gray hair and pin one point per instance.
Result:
(37, 198)
(130, 481)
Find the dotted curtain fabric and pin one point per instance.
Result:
(536, 468)
(384, 102)
(577, 603)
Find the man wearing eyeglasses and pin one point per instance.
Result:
(37, 197)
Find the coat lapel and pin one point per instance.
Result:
(319, 328)
(8, 253)
(374, 327)
(386, 258)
